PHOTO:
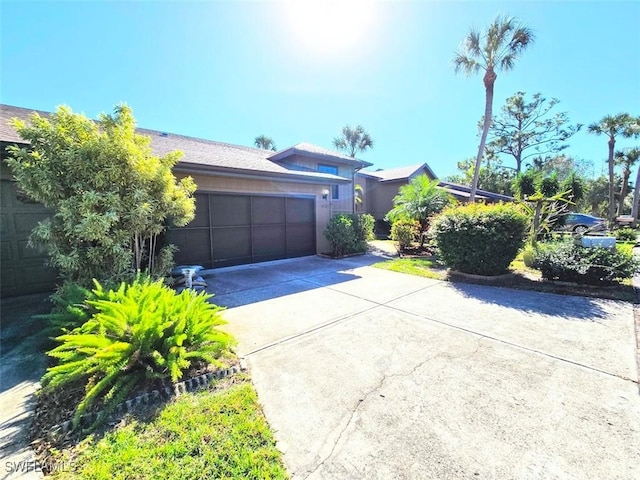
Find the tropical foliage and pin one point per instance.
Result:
(498, 48)
(480, 239)
(139, 331)
(418, 201)
(112, 198)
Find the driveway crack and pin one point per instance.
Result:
(360, 402)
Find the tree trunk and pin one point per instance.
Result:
(489, 81)
(623, 190)
(636, 198)
(612, 207)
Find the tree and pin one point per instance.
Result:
(524, 129)
(562, 165)
(353, 140)
(111, 197)
(498, 48)
(492, 177)
(418, 201)
(264, 142)
(613, 126)
(627, 158)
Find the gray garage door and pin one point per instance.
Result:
(23, 269)
(238, 229)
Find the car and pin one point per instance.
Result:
(580, 223)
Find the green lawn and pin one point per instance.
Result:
(413, 266)
(211, 434)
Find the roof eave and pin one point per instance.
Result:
(193, 168)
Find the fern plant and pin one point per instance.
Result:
(140, 331)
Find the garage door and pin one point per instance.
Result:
(238, 229)
(23, 269)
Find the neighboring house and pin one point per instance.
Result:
(252, 205)
(381, 186)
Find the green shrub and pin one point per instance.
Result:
(140, 331)
(569, 262)
(480, 239)
(404, 233)
(348, 233)
(626, 234)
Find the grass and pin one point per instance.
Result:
(211, 434)
(414, 266)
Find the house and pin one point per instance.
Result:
(381, 186)
(252, 205)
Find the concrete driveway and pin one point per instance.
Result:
(366, 373)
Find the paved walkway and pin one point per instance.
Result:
(366, 373)
(20, 370)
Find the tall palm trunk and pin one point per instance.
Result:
(612, 207)
(636, 198)
(489, 80)
(623, 190)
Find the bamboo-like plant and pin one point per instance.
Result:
(141, 331)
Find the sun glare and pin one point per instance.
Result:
(330, 27)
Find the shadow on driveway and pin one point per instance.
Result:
(245, 284)
(566, 306)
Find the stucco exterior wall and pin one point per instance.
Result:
(381, 200)
(212, 183)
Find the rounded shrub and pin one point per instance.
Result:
(348, 233)
(480, 239)
(404, 233)
(569, 262)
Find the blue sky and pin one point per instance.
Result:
(229, 71)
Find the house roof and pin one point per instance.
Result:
(200, 155)
(465, 192)
(400, 173)
(319, 153)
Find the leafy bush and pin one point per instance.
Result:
(348, 233)
(626, 234)
(417, 202)
(140, 331)
(112, 198)
(480, 239)
(404, 233)
(567, 261)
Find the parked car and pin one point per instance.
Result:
(580, 223)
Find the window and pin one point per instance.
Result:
(333, 171)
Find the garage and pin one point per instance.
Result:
(231, 229)
(23, 269)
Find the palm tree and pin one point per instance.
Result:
(622, 124)
(498, 48)
(353, 140)
(627, 158)
(264, 142)
(418, 201)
